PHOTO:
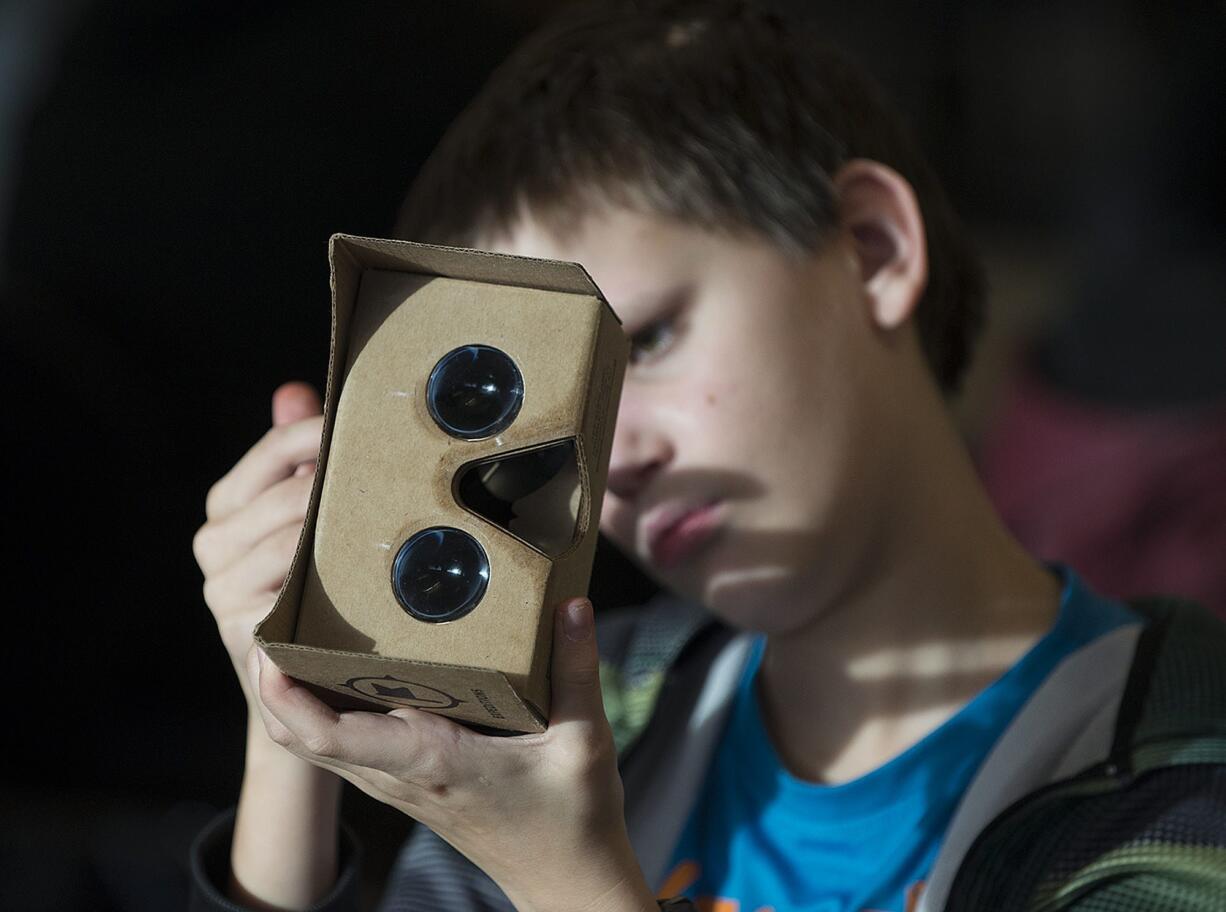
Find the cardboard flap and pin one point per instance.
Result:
(462, 263)
(474, 695)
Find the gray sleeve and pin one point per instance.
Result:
(429, 875)
(210, 871)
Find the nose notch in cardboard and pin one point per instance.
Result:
(537, 495)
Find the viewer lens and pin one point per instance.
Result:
(440, 574)
(475, 392)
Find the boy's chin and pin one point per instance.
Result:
(761, 600)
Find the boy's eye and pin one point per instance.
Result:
(651, 341)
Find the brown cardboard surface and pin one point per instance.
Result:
(387, 470)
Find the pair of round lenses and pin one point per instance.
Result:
(475, 391)
(440, 573)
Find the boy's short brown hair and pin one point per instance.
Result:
(722, 113)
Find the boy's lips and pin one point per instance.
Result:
(675, 530)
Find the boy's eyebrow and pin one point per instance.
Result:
(670, 297)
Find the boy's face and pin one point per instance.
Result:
(755, 386)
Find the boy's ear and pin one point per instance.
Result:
(879, 213)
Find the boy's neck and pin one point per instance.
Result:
(947, 604)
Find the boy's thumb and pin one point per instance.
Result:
(294, 401)
(575, 672)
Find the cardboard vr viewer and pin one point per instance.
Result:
(468, 422)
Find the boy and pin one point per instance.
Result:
(897, 708)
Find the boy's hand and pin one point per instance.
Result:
(254, 516)
(541, 814)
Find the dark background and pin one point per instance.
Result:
(169, 175)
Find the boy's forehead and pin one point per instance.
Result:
(632, 257)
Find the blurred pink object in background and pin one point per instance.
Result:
(1135, 501)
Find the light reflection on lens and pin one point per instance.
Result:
(440, 574)
(474, 391)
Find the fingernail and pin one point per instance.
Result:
(577, 620)
(259, 654)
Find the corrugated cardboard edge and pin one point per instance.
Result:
(348, 256)
(464, 263)
(572, 570)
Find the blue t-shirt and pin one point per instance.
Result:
(761, 840)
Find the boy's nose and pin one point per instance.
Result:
(639, 452)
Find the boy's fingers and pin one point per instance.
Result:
(575, 671)
(276, 731)
(221, 544)
(284, 737)
(294, 401)
(294, 717)
(277, 454)
(255, 575)
(392, 744)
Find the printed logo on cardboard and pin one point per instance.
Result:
(389, 689)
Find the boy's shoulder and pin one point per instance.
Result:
(1174, 708)
(1142, 828)
(1176, 687)
(1169, 738)
(642, 647)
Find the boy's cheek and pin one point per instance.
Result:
(617, 522)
